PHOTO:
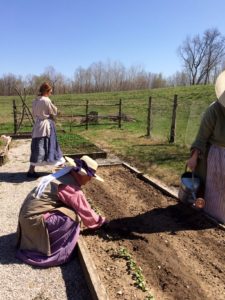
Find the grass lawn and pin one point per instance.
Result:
(73, 143)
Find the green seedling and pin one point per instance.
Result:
(134, 271)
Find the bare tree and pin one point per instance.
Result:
(202, 56)
(30, 84)
(115, 76)
(82, 80)
(8, 82)
(178, 79)
(158, 81)
(98, 77)
(51, 75)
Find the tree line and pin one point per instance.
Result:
(202, 57)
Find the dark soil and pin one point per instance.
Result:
(180, 251)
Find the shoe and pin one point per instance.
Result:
(32, 175)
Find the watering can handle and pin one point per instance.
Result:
(192, 177)
(193, 186)
(185, 170)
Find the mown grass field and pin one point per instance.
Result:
(153, 155)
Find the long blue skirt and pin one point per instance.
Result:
(46, 150)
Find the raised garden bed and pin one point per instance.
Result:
(179, 250)
(72, 145)
(75, 146)
(22, 135)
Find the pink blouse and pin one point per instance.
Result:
(74, 197)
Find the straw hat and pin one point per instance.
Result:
(220, 88)
(91, 164)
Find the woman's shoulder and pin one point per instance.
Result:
(45, 99)
(41, 99)
(215, 110)
(70, 190)
(68, 181)
(213, 107)
(35, 99)
(216, 106)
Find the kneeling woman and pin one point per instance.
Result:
(49, 218)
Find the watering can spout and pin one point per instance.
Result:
(199, 203)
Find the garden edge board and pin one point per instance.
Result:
(97, 289)
(94, 155)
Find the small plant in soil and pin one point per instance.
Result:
(134, 271)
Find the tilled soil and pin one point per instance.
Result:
(180, 251)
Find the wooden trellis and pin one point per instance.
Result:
(25, 113)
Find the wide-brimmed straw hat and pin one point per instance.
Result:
(220, 88)
(88, 166)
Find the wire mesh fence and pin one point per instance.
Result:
(138, 115)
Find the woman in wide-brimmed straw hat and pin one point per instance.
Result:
(49, 219)
(208, 153)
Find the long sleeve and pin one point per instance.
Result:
(206, 129)
(52, 109)
(212, 129)
(74, 197)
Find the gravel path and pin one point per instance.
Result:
(20, 281)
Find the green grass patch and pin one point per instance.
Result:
(73, 143)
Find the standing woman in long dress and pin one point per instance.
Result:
(45, 149)
(208, 153)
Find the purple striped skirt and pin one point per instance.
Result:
(63, 236)
(215, 183)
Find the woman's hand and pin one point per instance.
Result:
(52, 117)
(193, 160)
(105, 225)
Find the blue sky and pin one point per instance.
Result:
(67, 34)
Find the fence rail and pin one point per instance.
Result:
(92, 113)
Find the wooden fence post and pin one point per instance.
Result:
(149, 117)
(120, 113)
(87, 120)
(15, 116)
(173, 124)
(70, 122)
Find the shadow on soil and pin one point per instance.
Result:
(18, 177)
(171, 219)
(71, 271)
